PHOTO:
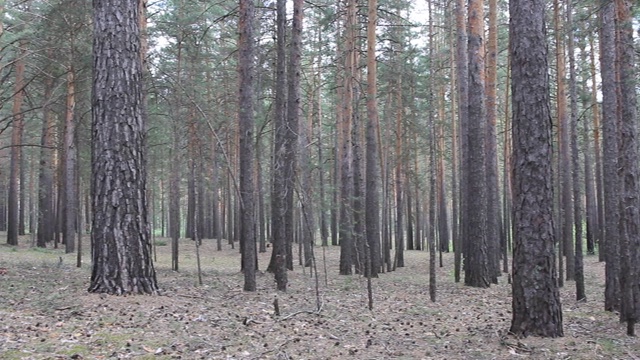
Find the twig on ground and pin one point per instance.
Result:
(298, 313)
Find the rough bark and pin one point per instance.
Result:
(46, 215)
(294, 99)
(491, 144)
(246, 70)
(277, 265)
(399, 178)
(346, 159)
(70, 167)
(477, 272)
(536, 300)
(599, 232)
(566, 208)
(462, 71)
(575, 160)
(610, 155)
(372, 194)
(15, 167)
(628, 170)
(120, 232)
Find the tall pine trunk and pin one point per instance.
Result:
(15, 167)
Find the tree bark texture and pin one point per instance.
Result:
(372, 172)
(46, 215)
(575, 160)
(120, 231)
(610, 155)
(246, 69)
(294, 109)
(279, 209)
(628, 170)
(536, 300)
(15, 167)
(491, 146)
(462, 75)
(476, 259)
(70, 167)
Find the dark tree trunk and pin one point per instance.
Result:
(372, 167)
(120, 237)
(477, 272)
(628, 169)
(215, 185)
(409, 241)
(358, 196)
(536, 300)
(399, 179)
(462, 71)
(491, 147)
(189, 230)
(46, 215)
(246, 69)
(610, 155)
(307, 217)
(294, 108)
(598, 154)
(277, 265)
(174, 201)
(345, 229)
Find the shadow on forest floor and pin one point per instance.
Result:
(46, 313)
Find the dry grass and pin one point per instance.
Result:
(46, 313)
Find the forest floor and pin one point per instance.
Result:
(46, 313)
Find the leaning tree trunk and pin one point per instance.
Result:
(120, 232)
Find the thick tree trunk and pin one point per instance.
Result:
(536, 300)
(120, 232)
(628, 170)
